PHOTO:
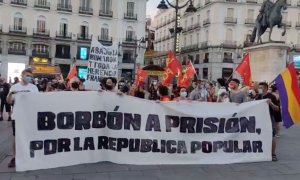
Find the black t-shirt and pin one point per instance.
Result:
(4, 90)
(273, 99)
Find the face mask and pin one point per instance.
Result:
(269, 91)
(28, 79)
(108, 87)
(226, 100)
(183, 94)
(154, 83)
(260, 91)
(75, 85)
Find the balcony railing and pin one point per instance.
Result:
(297, 47)
(129, 41)
(41, 32)
(19, 2)
(1, 1)
(197, 25)
(206, 60)
(190, 48)
(64, 7)
(130, 16)
(206, 22)
(251, 1)
(231, 0)
(17, 51)
(105, 13)
(204, 45)
(297, 25)
(63, 35)
(249, 21)
(18, 29)
(289, 2)
(40, 53)
(287, 23)
(229, 44)
(86, 10)
(207, 2)
(198, 6)
(227, 60)
(84, 37)
(41, 4)
(230, 20)
(104, 39)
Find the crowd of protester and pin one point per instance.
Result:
(221, 91)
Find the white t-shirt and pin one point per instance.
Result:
(19, 88)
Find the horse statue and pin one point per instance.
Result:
(270, 16)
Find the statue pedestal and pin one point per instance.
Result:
(267, 60)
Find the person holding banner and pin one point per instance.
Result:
(199, 93)
(235, 94)
(183, 94)
(24, 86)
(273, 108)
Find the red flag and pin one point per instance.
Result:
(173, 64)
(73, 72)
(183, 80)
(140, 76)
(244, 70)
(190, 70)
(168, 76)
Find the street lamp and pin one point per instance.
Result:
(140, 43)
(177, 7)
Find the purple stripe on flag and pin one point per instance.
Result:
(287, 120)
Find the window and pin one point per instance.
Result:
(127, 56)
(227, 57)
(230, 12)
(63, 51)
(198, 19)
(197, 61)
(84, 30)
(42, 2)
(198, 38)
(130, 34)
(184, 41)
(41, 24)
(191, 39)
(63, 29)
(85, 4)
(104, 33)
(227, 73)
(229, 34)
(64, 3)
(17, 46)
(18, 21)
(130, 8)
(40, 48)
(206, 58)
(83, 52)
(299, 17)
(205, 73)
(250, 14)
(192, 21)
(206, 35)
(185, 23)
(197, 72)
(298, 39)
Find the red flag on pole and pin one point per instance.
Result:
(244, 70)
(190, 70)
(140, 76)
(168, 76)
(73, 72)
(173, 64)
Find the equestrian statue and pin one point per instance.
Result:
(269, 16)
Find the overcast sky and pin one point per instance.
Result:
(152, 7)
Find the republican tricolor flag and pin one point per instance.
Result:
(289, 93)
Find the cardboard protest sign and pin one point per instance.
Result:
(103, 62)
(58, 129)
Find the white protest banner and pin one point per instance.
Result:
(103, 62)
(68, 128)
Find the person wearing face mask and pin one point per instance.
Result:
(224, 97)
(24, 86)
(183, 94)
(200, 93)
(273, 108)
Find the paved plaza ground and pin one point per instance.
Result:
(287, 168)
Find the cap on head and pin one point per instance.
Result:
(236, 81)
